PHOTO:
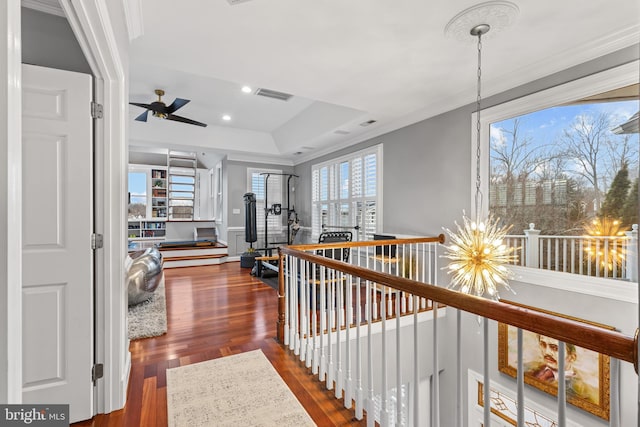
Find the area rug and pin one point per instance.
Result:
(149, 318)
(239, 390)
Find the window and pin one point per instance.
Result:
(147, 188)
(552, 158)
(137, 194)
(346, 193)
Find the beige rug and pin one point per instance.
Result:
(239, 390)
(149, 318)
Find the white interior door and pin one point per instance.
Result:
(57, 225)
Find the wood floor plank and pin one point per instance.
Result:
(215, 311)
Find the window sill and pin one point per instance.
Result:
(618, 290)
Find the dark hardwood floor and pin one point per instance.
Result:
(215, 311)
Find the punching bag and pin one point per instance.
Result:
(250, 223)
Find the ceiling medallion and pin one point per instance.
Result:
(499, 15)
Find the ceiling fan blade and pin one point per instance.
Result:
(137, 104)
(177, 103)
(143, 117)
(184, 120)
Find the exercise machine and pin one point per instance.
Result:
(276, 209)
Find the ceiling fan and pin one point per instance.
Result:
(160, 110)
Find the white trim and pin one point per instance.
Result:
(134, 18)
(617, 290)
(236, 228)
(91, 24)
(610, 79)
(258, 158)
(11, 204)
(51, 7)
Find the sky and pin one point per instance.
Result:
(138, 183)
(545, 126)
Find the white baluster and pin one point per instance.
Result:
(398, 363)
(520, 379)
(435, 396)
(310, 309)
(339, 323)
(331, 367)
(287, 296)
(370, 401)
(314, 318)
(323, 325)
(614, 392)
(384, 409)
(416, 365)
(358, 388)
(302, 291)
(562, 387)
(347, 381)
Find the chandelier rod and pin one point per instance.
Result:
(478, 31)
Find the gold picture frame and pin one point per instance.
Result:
(587, 371)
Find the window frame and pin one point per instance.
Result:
(337, 161)
(613, 78)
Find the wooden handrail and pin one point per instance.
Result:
(314, 246)
(604, 341)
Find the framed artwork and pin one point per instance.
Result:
(586, 372)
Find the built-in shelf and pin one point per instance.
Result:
(141, 229)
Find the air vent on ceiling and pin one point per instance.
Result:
(341, 132)
(232, 2)
(273, 94)
(368, 122)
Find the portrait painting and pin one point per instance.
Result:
(586, 372)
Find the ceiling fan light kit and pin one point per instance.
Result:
(160, 110)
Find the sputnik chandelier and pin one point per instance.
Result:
(477, 253)
(605, 243)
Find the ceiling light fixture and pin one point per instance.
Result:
(246, 89)
(226, 117)
(477, 253)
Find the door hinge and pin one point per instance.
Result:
(97, 241)
(96, 110)
(97, 372)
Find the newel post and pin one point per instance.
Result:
(632, 253)
(281, 299)
(533, 241)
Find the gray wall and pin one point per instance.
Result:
(47, 41)
(427, 184)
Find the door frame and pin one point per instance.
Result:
(93, 27)
(98, 36)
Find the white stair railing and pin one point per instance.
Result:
(363, 331)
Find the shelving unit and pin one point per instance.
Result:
(159, 193)
(140, 229)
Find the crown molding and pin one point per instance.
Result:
(52, 7)
(133, 16)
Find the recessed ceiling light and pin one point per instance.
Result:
(226, 117)
(246, 89)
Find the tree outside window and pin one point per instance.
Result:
(562, 167)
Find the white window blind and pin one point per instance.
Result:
(345, 193)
